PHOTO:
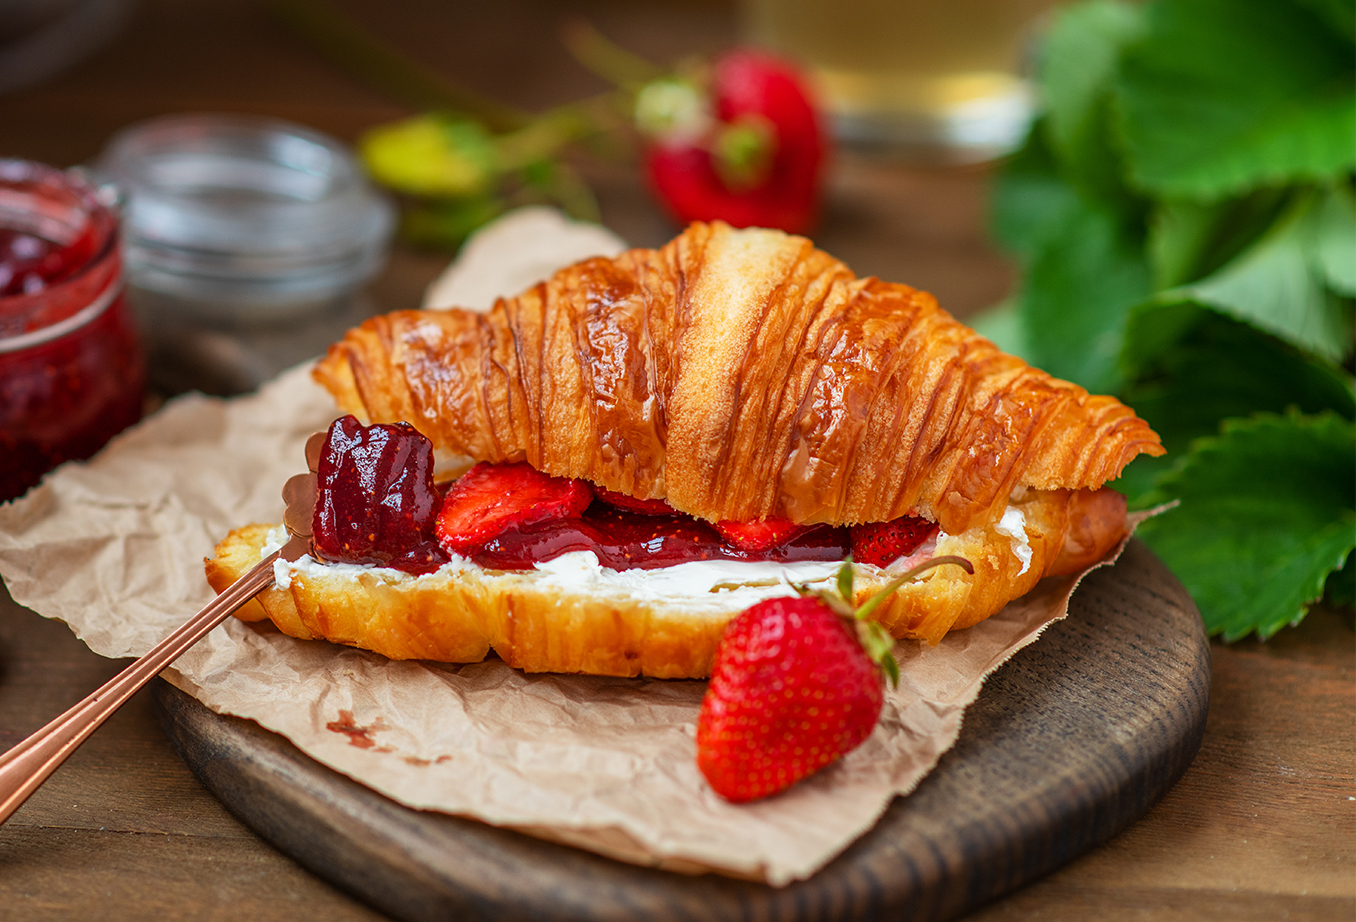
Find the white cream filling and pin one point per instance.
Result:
(735, 581)
(732, 580)
(1013, 524)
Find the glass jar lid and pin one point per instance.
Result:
(252, 211)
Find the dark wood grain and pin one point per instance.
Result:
(1069, 742)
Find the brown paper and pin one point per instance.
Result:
(115, 547)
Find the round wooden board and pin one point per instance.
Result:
(1072, 740)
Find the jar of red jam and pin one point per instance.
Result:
(71, 368)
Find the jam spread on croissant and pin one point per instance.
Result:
(377, 504)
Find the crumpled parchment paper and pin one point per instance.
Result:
(114, 548)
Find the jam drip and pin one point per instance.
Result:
(375, 500)
(627, 540)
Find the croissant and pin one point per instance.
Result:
(737, 374)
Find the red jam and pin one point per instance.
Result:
(629, 540)
(71, 369)
(376, 503)
(375, 499)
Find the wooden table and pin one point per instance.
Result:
(1263, 826)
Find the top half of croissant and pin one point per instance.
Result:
(739, 374)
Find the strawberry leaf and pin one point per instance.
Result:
(1076, 295)
(845, 581)
(1031, 200)
(1210, 374)
(1079, 62)
(1222, 95)
(1266, 515)
(879, 646)
(1281, 282)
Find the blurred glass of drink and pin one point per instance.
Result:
(929, 77)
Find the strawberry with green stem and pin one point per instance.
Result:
(738, 140)
(796, 684)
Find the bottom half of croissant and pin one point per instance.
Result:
(593, 621)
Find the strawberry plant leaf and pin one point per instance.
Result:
(1079, 60)
(1192, 239)
(1076, 295)
(1210, 375)
(1280, 282)
(845, 582)
(1341, 586)
(1266, 515)
(1333, 240)
(1223, 95)
(1031, 200)
(1340, 15)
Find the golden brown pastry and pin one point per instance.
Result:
(738, 375)
(591, 621)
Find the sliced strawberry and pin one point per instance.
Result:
(880, 543)
(492, 497)
(632, 504)
(759, 534)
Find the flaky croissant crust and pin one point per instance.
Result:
(739, 374)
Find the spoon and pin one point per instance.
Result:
(24, 768)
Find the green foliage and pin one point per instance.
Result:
(1185, 218)
(1077, 294)
(1227, 95)
(1291, 480)
(1280, 283)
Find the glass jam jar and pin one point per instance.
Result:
(72, 373)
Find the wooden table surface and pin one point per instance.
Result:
(1263, 826)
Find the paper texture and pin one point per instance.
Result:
(115, 548)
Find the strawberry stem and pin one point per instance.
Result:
(606, 58)
(875, 601)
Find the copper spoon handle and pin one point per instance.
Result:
(25, 767)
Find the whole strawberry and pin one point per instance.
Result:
(797, 682)
(745, 147)
(791, 691)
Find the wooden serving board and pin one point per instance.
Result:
(1072, 740)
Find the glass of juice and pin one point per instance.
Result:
(71, 368)
(941, 79)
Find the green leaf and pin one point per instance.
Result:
(1340, 15)
(1341, 586)
(1266, 514)
(1079, 60)
(1333, 240)
(1075, 297)
(845, 583)
(1211, 374)
(1224, 368)
(1225, 95)
(1031, 201)
(1280, 283)
(1190, 239)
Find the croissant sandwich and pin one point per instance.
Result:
(738, 389)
